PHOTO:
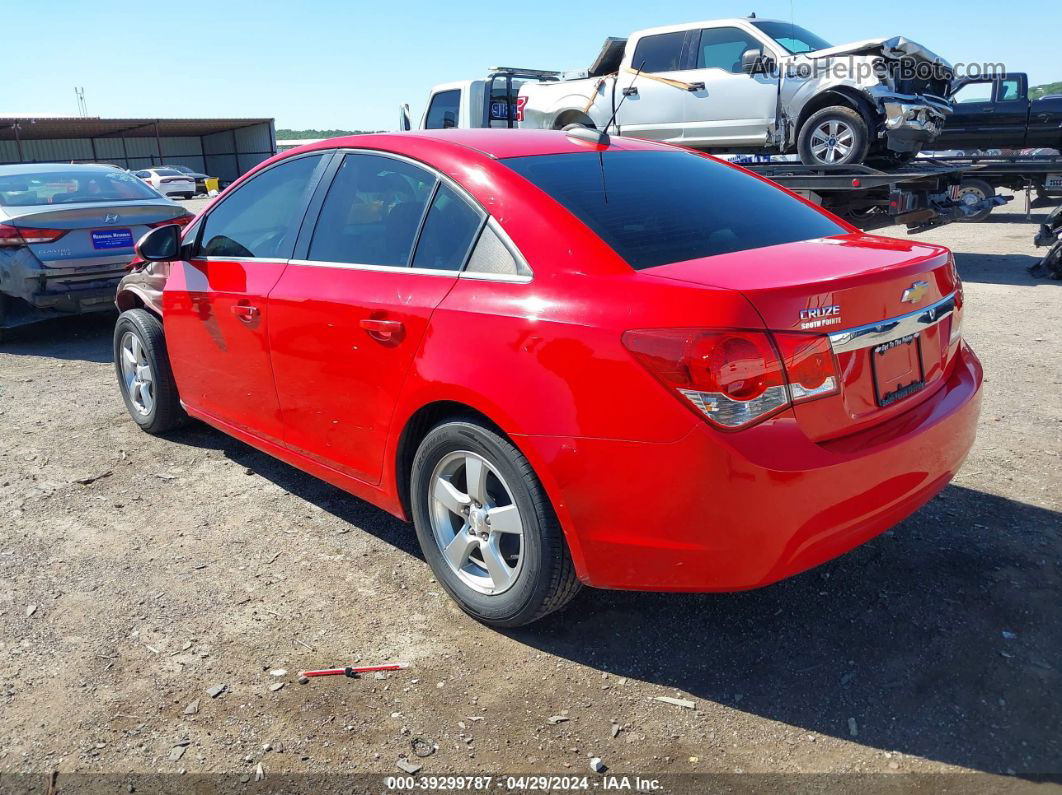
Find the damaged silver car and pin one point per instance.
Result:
(67, 234)
(752, 85)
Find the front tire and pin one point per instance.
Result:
(144, 375)
(833, 136)
(487, 528)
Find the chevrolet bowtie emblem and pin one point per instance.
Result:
(914, 293)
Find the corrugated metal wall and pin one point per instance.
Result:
(226, 155)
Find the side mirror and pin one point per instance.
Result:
(161, 244)
(404, 122)
(754, 62)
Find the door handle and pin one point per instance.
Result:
(695, 87)
(383, 330)
(630, 91)
(245, 312)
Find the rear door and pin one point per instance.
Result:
(651, 87)
(348, 315)
(733, 108)
(214, 304)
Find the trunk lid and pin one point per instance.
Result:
(97, 234)
(839, 284)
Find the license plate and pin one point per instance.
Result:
(112, 238)
(897, 368)
(1053, 181)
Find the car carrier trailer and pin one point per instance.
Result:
(921, 195)
(984, 174)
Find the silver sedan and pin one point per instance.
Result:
(67, 235)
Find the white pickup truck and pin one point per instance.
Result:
(729, 85)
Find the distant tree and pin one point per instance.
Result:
(285, 134)
(1042, 91)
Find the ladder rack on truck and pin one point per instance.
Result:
(921, 195)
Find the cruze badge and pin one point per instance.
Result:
(818, 316)
(914, 293)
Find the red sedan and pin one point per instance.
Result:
(567, 360)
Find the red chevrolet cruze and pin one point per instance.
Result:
(568, 361)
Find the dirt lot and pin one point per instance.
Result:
(137, 572)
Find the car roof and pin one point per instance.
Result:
(53, 168)
(492, 142)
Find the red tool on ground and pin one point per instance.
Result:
(352, 670)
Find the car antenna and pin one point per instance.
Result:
(615, 110)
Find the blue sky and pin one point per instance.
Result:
(331, 64)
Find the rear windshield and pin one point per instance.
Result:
(65, 187)
(654, 208)
(167, 172)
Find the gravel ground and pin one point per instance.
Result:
(136, 573)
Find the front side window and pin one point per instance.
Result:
(659, 53)
(442, 112)
(654, 208)
(372, 212)
(722, 48)
(794, 38)
(68, 187)
(261, 217)
(973, 92)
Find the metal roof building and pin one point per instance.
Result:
(224, 148)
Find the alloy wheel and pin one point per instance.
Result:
(831, 141)
(475, 522)
(136, 374)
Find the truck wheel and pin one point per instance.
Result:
(144, 375)
(833, 136)
(972, 191)
(487, 528)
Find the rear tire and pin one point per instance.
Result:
(975, 190)
(833, 136)
(507, 573)
(144, 374)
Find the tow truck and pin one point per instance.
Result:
(921, 195)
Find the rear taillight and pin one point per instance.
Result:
(12, 236)
(737, 378)
(180, 220)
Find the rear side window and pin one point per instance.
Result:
(654, 208)
(442, 112)
(659, 53)
(448, 232)
(262, 216)
(372, 212)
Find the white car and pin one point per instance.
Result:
(168, 181)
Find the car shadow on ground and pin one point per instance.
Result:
(939, 639)
(1002, 269)
(78, 337)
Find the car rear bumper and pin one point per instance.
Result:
(47, 291)
(720, 512)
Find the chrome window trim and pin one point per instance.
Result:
(514, 278)
(883, 331)
(359, 266)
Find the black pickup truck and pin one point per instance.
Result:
(996, 113)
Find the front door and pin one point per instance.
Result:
(733, 108)
(214, 304)
(348, 316)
